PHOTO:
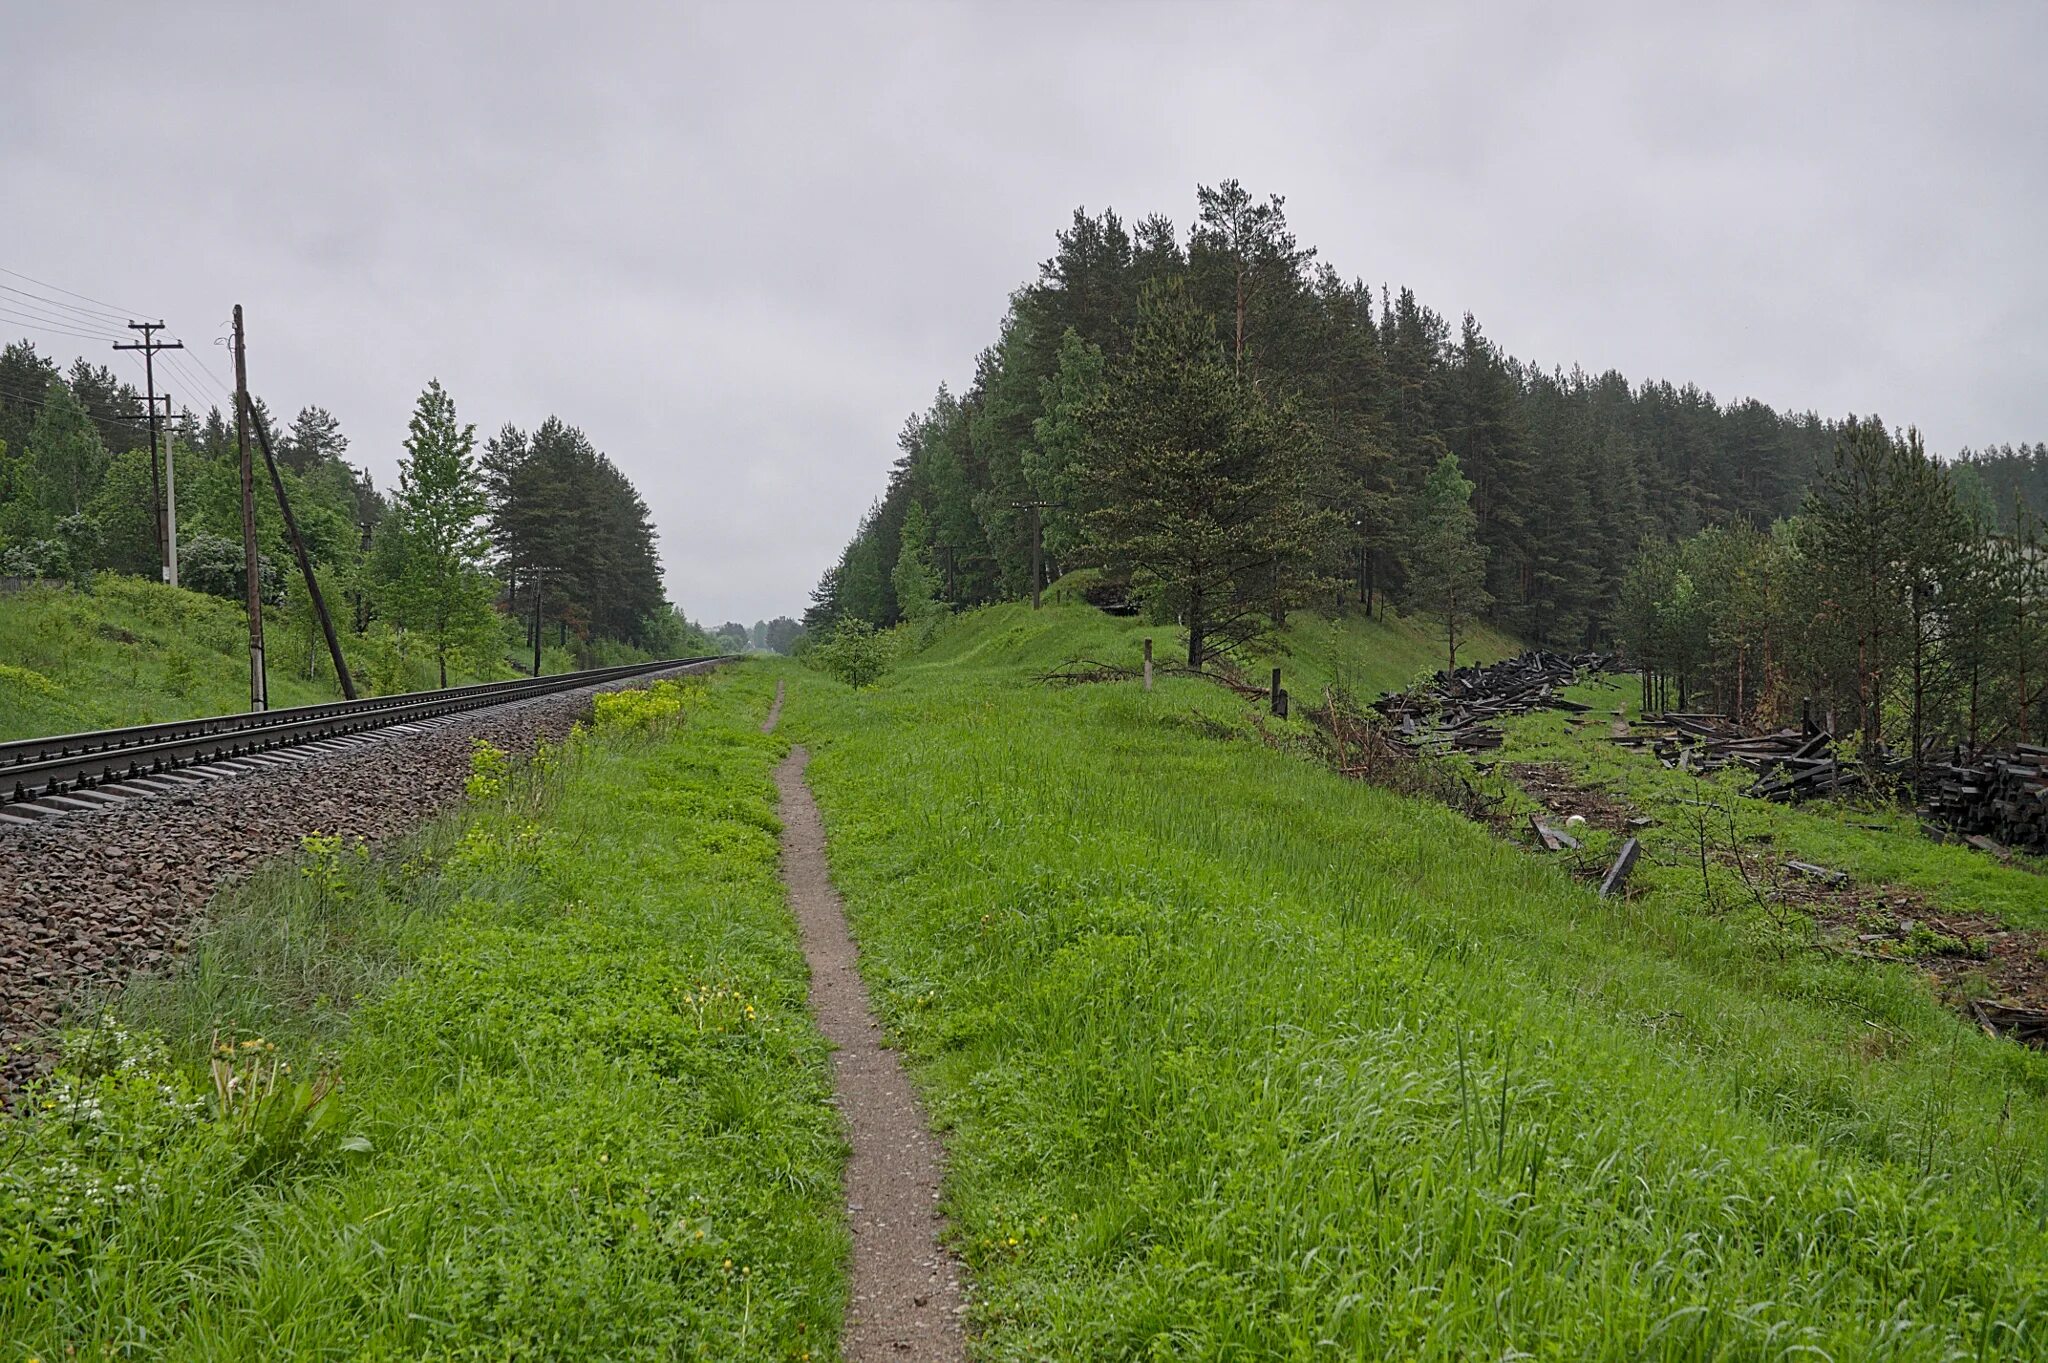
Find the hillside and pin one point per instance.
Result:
(1368, 654)
(1237, 1058)
(137, 652)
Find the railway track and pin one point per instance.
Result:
(44, 777)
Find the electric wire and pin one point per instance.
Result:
(69, 293)
(39, 325)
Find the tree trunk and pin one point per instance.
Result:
(1919, 684)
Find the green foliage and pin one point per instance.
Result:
(122, 508)
(65, 456)
(855, 652)
(915, 584)
(655, 708)
(1198, 489)
(134, 651)
(1886, 602)
(559, 505)
(1446, 562)
(558, 1098)
(1059, 439)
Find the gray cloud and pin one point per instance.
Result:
(738, 244)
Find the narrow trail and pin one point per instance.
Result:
(907, 1300)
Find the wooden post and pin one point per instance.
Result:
(291, 527)
(1279, 699)
(259, 684)
(1036, 507)
(1148, 664)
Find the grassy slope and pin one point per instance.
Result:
(1369, 655)
(136, 652)
(597, 1109)
(1240, 1060)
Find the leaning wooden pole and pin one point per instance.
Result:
(259, 685)
(291, 527)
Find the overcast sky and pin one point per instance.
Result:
(738, 244)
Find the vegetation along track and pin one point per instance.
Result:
(113, 885)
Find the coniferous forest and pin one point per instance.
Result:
(1227, 427)
(450, 560)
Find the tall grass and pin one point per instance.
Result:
(1240, 1060)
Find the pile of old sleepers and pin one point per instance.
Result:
(1790, 764)
(2002, 796)
(1460, 709)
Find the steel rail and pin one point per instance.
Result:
(39, 768)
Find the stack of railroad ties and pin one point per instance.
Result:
(1791, 764)
(1459, 709)
(1996, 801)
(2000, 796)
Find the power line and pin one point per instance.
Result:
(189, 371)
(90, 314)
(41, 324)
(114, 308)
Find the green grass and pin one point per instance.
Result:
(1366, 654)
(1238, 1060)
(132, 651)
(582, 1111)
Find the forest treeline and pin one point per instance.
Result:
(1227, 428)
(449, 561)
(1906, 604)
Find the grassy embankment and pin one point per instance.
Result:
(1237, 1059)
(581, 1110)
(1366, 655)
(136, 652)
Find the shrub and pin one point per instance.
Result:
(855, 652)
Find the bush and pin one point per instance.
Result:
(855, 652)
(213, 564)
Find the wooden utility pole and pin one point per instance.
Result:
(259, 684)
(1036, 508)
(170, 497)
(291, 526)
(149, 345)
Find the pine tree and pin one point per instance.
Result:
(1051, 461)
(1852, 535)
(1197, 487)
(314, 438)
(1446, 562)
